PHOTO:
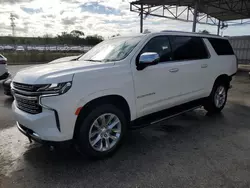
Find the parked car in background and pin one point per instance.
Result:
(20, 48)
(121, 83)
(6, 86)
(3, 68)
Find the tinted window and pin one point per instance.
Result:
(221, 46)
(188, 48)
(159, 45)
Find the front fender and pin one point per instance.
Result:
(128, 96)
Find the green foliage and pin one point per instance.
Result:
(34, 57)
(204, 31)
(75, 37)
(77, 34)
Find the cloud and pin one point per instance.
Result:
(69, 21)
(95, 7)
(32, 10)
(103, 17)
(70, 1)
(47, 16)
(47, 25)
(14, 1)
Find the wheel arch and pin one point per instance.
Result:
(116, 100)
(223, 78)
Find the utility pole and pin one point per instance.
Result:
(195, 15)
(141, 19)
(12, 23)
(218, 29)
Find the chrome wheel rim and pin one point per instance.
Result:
(220, 96)
(105, 132)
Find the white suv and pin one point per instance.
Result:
(122, 83)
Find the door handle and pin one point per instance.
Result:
(204, 66)
(174, 70)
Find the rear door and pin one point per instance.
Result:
(192, 59)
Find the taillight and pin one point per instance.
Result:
(3, 62)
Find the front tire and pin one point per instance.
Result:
(101, 131)
(217, 99)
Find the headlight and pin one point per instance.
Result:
(55, 88)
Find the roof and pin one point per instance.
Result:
(224, 10)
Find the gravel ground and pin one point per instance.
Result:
(192, 150)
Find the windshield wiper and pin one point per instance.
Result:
(108, 60)
(92, 60)
(76, 59)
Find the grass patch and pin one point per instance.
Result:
(34, 57)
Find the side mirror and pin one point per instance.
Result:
(147, 59)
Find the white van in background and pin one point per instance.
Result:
(124, 82)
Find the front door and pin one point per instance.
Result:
(157, 86)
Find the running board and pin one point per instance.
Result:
(165, 114)
(174, 115)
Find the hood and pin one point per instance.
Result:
(56, 72)
(64, 59)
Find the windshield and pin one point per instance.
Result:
(112, 50)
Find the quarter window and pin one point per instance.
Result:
(221, 46)
(188, 48)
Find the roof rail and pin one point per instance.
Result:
(176, 31)
(190, 32)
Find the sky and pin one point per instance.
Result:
(102, 17)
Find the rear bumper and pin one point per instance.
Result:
(4, 76)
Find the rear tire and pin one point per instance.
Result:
(101, 131)
(218, 98)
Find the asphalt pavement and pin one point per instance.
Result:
(192, 150)
(13, 69)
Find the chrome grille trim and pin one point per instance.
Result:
(28, 87)
(26, 97)
(27, 101)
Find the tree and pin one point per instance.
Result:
(77, 33)
(204, 31)
(93, 40)
(117, 35)
(46, 39)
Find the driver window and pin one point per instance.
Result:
(160, 45)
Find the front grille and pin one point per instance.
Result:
(28, 87)
(28, 104)
(26, 97)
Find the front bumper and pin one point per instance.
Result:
(42, 126)
(6, 87)
(29, 133)
(35, 137)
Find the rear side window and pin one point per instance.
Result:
(221, 46)
(188, 48)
